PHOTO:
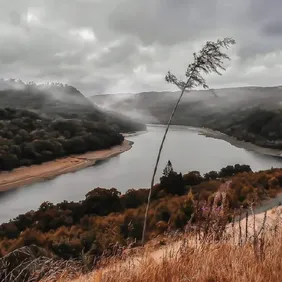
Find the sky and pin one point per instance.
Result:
(127, 46)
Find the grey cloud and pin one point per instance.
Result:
(273, 28)
(167, 22)
(264, 29)
(137, 41)
(262, 11)
(120, 53)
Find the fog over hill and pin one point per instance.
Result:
(248, 113)
(236, 97)
(58, 100)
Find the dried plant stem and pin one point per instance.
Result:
(233, 228)
(247, 220)
(240, 228)
(157, 162)
(208, 60)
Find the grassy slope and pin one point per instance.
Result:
(105, 218)
(216, 262)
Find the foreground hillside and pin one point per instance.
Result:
(212, 261)
(58, 100)
(85, 233)
(252, 114)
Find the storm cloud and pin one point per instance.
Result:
(113, 46)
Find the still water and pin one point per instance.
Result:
(186, 149)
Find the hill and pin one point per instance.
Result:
(184, 258)
(252, 114)
(28, 138)
(106, 222)
(58, 100)
(39, 123)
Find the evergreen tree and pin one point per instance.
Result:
(168, 169)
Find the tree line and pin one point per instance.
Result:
(106, 217)
(27, 138)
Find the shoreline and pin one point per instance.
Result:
(238, 143)
(209, 133)
(23, 176)
(136, 133)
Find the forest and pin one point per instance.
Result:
(251, 114)
(39, 123)
(27, 138)
(55, 100)
(106, 218)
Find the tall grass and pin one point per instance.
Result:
(215, 245)
(228, 259)
(216, 248)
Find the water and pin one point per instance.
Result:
(133, 169)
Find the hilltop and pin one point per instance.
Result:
(59, 100)
(252, 114)
(40, 123)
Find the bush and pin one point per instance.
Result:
(105, 217)
(192, 178)
(9, 230)
(102, 201)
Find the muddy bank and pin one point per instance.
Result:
(222, 136)
(28, 175)
(240, 144)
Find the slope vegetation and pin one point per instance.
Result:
(39, 123)
(252, 114)
(58, 100)
(106, 222)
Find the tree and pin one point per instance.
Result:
(212, 175)
(173, 183)
(168, 169)
(192, 178)
(208, 60)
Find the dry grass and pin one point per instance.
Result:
(32, 263)
(221, 262)
(249, 250)
(210, 250)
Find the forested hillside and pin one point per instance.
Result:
(27, 138)
(39, 123)
(59, 100)
(252, 114)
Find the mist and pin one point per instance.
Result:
(155, 107)
(124, 104)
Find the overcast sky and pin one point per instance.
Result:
(114, 46)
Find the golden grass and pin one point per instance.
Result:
(232, 259)
(246, 247)
(215, 262)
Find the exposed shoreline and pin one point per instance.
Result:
(37, 173)
(240, 144)
(231, 140)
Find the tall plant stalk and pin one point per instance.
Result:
(208, 60)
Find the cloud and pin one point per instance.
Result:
(110, 46)
(165, 22)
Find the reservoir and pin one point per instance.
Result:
(184, 147)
